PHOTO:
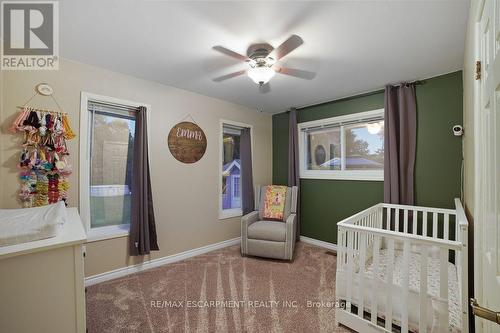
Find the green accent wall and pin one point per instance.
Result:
(438, 160)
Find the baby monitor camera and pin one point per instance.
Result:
(458, 130)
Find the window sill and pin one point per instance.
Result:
(344, 175)
(108, 232)
(230, 213)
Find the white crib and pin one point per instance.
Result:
(390, 274)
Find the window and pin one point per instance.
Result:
(107, 145)
(230, 197)
(111, 158)
(345, 147)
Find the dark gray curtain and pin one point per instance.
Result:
(400, 141)
(142, 223)
(247, 194)
(293, 161)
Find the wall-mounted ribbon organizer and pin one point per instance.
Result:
(43, 165)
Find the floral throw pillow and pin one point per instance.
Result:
(274, 203)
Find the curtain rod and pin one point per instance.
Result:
(365, 94)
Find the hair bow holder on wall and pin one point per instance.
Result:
(43, 165)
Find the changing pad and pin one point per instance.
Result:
(30, 224)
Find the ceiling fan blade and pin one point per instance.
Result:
(264, 88)
(230, 53)
(229, 76)
(300, 73)
(286, 47)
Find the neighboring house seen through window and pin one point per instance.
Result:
(231, 171)
(236, 186)
(344, 147)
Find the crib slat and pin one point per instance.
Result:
(345, 249)
(344, 253)
(376, 270)
(358, 234)
(362, 258)
(415, 221)
(340, 260)
(378, 217)
(388, 218)
(390, 269)
(350, 244)
(340, 250)
(355, 241)
(396, 214)
(424, 224)
(405, 286)
(443, 291)
(405, 222)
(423, 290)
(434, 225)
(446, 226)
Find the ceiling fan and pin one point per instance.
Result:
(263, 60)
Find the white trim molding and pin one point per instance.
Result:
(120, 272)
(320, 243)
(108, 232)
(370, 175)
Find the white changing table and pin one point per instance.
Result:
(42, 282)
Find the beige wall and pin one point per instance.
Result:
(185, 196)
(469, 86)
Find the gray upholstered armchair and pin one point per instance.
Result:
(270, 239)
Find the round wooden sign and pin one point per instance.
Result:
(187, 142)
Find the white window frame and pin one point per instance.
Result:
(107, 232)
(372, 175)
(230, 213)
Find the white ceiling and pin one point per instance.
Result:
(354, 46)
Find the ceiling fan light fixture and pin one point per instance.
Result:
(261, 74)
(270, 61)
(261, 59)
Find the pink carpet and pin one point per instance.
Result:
(221, 292)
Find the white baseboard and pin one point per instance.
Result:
(320, 243)
(114, 274)
(94, 279)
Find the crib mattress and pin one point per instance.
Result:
(455, 319)
(30, 224)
